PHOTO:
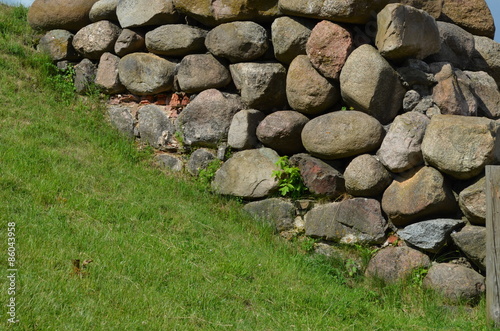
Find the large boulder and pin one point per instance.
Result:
(129, 41)
(176, 40)
(205, 121)
(473, 16)
(369, 84)
(154, 127)
(328, 48)
(289, 37)
(238, 41)
(347, 11)
(395, 264)
(406, 32)
(104, 10)
(357, 220)
(488, 56)
(432, 235)
(278, 212)
(261, 85)
(134, 13)
(248, 174)
(320, 178)
(198, 72)
(457, 46)
(59, 14)
(146, 74)
(365, 176)
(58, 44)
(342, 134)
(307, 90)
(401, 149)
(455, 282)
(472, 201)
(416, 195)
(281, 131)
(461, 146)
(212, 13)
(472, 241)
(243, 130)
(96, 39)
(107, 78)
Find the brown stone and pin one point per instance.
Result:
(471, 15)
(59, 14)
(328, 48)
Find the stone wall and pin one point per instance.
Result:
(388, 108)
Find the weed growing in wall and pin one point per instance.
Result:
(289, 179)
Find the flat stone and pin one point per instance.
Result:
(432, 235)
(278, 212)
(357, 220)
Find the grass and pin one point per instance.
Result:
(167, 255)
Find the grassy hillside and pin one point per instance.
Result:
(166, 254)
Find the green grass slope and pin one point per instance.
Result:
(167, 255)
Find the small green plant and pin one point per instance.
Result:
(207, 174)
(307, 244)
(62, 81)
(417, 277)
(345, 108)
(289, 179)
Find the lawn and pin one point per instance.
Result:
(166, 253)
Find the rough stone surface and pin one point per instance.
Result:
(199, 160)
(104, 10)
(248, 174)
(342, 134)
(472, 241)
(58, 44)
(401, 149)
(238, 41)
(328, 48)
(356, 220)
(188, 39)
(432, 7)
(128, 42)
(488, 56)
(432, 235)
(198, 72)
(59, 14)
(122, 119)
(348, 11)
(279, 212)
(406, 32)
(281, 131)
(215, 12)
(460, 146)
(261, 85)
(472, 201)
(134, 13)
(307, 91)
(320, 178)
(456, 282)
(146, 74)
(450, 94)
(242, 132)
(289, 37)
(395, 264)
(485, 89)
(170, 162)
(95, 39)
(155, 127)
(365, 176)
(369, 84)
(473, 16)
(107, 74)
(205, 121)
(85, 73)
(417, 195)
(457, 46)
